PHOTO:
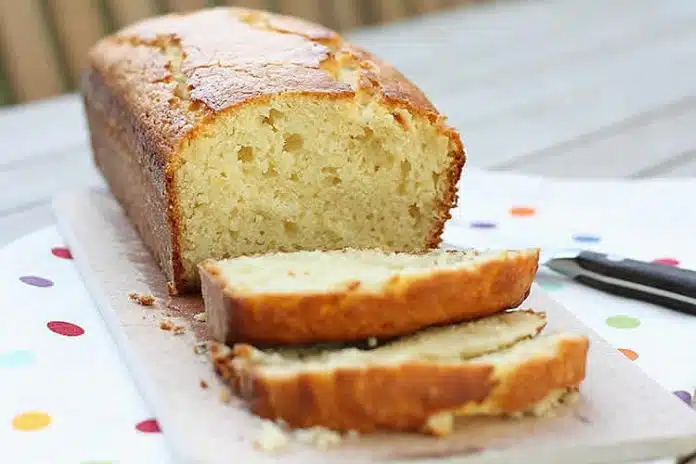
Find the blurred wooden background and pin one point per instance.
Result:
(43, 43)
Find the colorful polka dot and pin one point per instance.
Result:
(684, 396)
(483, 225)
(630, 354)
(667, 261)
(35, 281)
(29, 421)
(623, 322)
(586, 238)
(522, 211)
(148, 426)
(67, 329)
(61, 252)
(16, 358)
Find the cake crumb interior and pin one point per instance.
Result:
(300, 173)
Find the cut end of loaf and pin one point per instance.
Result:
(303, 172)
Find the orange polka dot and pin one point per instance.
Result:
(522, 211)
(630, 354)
(32, 420)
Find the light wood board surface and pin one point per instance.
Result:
(622, 415)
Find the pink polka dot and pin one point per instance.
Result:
(67, 329)
(61, 252)
(667, 261)
(148, 426)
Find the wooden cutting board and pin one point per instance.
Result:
(622, 415)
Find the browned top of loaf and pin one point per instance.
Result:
(171, 74)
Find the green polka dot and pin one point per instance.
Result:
(549, 284)
(623, 322)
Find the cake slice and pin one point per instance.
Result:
(316, 297)
(493, 366)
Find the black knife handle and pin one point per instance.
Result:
(668, 278)
(655, 283)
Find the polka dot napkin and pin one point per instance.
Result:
(66, 395)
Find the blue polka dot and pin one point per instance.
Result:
(16, 358)
(483, 225)
(586, 238)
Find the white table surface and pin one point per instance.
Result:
(557, 87)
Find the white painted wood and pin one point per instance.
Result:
(484, 95)
(684, 170)
(478, 44)
(586, 38)
(50, 126)
(44, 177)
(632, 149)
(682, 166)
(478, 28)
(581, 112)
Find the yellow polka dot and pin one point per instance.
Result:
(33, 420)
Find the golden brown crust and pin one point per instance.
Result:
(400, 397)
(533, 380)
(137, 189)
(450, 197)
(396, 397)
(163, 80)
(404, 306)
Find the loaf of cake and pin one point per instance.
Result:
(304, 297)
(496, 366)
(229, 132)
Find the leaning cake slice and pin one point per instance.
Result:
(419, 383)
